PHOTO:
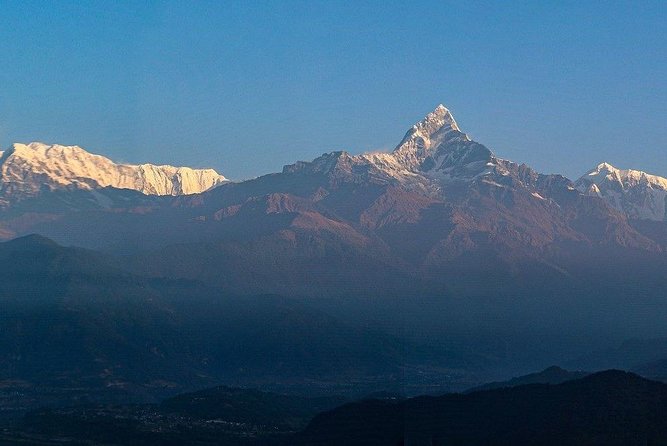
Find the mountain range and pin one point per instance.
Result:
(433, 153)
(440, 205)
(27, 170)
(433, 267)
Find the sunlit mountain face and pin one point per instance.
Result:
(31, 169)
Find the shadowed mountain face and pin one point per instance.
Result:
(551, 375)
(608, 408)
(647, 357)
(72, 319)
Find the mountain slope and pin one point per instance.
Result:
(551, 375)
(72, 319)
(607, 408)
(27, 170)
(637, 194)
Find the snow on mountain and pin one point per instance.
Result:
(638, 194)
(27, 169)
(424, 138)
(437, 199)
(433, 154)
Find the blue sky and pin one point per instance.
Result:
(246, 87)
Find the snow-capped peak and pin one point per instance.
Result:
(439, 120)
(27, 169)
(433, 152)
(427, 135)
(605, 166)
(625, 177)
(636, 193)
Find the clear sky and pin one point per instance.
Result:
(248, 86)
